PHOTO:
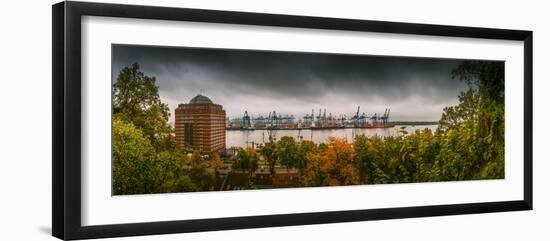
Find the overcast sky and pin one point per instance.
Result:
(295, 83)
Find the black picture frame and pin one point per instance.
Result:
(66, 123)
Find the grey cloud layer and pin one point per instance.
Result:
(294, 83)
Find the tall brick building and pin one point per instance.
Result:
(201, 125)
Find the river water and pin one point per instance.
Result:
(246, 138)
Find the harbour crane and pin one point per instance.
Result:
(374, 118)
(386, 116)
(355, 118)
(312, 118)
(246, 120)
(319, 118)
(308, 119)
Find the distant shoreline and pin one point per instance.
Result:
(415, 123)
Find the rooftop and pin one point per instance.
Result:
(200, 99)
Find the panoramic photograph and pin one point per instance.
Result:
(204, 119)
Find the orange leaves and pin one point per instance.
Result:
(332, 166)
(216, 162)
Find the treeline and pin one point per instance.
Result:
(467, 145)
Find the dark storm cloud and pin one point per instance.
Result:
(295, 83)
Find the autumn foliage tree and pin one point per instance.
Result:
(331, 166)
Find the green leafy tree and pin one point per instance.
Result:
(466, 110)
(287, 151)
(483, 132)
(485, 76)
(135, 169)
(246, 161)
(364, 158)
(269, 153)
(199, 174)
(136, 100)
(300, 160)
(171, 163)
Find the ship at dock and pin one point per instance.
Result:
(319, 121)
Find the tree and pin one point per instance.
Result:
(286, 151)
(216, 164)
(199, 174)
(303, 148)
(485, 92)
(136, 100)
(364, 158)
(246, 161)
(332, 166)
(270, 155)
(485, 76)
(466, 110)
(135, 169)
(174, 178)
(473, 146)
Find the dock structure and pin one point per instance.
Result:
(275, 121)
